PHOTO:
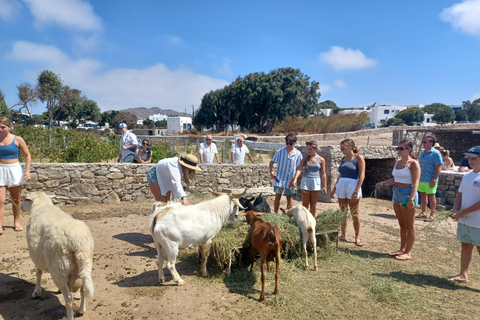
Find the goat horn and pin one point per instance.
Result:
(213, 192)
(239, 195)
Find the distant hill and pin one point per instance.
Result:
(143, 113)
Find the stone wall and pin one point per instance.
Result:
(84, 183)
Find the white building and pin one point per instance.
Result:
(325, 112)
(158, 117)
(178, 124)
(380, 114)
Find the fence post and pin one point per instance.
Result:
(186, 147)
(173, 145)
(64, 144)
(224, 150)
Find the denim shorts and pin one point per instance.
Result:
(402, 195)
(152, 175)
(288, 191)
(468, 234)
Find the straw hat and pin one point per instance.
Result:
(190, 162)
(437, 145)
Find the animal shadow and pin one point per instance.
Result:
(140, 240)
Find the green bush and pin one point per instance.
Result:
(161, 150)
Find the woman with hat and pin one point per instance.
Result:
(165, 178)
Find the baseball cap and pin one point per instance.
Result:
(122, 125)
(472, 152)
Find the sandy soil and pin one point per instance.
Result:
(125, 273)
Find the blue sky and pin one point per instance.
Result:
(168, 54)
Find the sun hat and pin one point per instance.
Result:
(472, 152)
(190, 162)
(437, 145)
(122, 125)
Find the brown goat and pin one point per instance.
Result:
(267, 241)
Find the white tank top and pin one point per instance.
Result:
(402, 175)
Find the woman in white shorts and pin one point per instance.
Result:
(349, 186)
(12, 177)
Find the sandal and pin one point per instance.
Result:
(358, 243)
(421, 216)
(403, 257)
(395, 253)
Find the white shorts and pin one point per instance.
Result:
(345, 188)
(11, 175)
(310, 184)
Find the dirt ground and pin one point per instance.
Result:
(125, 275)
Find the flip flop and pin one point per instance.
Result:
(403, 257)
(395, 253)
(429, 219)
(359, 244)
(421, 216)
(18, 229)
(457, 279)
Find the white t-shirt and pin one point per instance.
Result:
(169, 176)
(127, 139)
(208, 152)
(470, 189)
(239, 153)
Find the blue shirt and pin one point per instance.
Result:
(428, 164)
(286, 166)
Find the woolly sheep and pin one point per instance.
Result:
(62, 246)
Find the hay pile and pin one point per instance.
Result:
(228, 242)
(330, 220)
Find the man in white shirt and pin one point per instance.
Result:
(128, 144)
(208, 151)
(238, 152)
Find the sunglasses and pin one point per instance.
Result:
(209, 139)
(400, 148)
(426, 141)
(290, 143)
(145, 144)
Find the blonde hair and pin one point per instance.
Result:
(188, 175)
(6, 121)
(314, 145)
(445, 153)
(351, 144)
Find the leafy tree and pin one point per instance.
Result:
(461, 115)
(4, 112)
(127, 117)
(69, 105)
(443, 114)
(393, 122)
(433, 107)
(89, 111)
(258, 101)
(150, 124)
(26, 95)
(329, 104)
(107, 117)
(472, 109)
(49, 88)
(411, 115)
(161, 124)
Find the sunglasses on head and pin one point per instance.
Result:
(400, 148)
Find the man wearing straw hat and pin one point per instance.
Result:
(165, 179)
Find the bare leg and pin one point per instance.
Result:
(344, 207)
(433, 204)
(289, 201)
(353, 204)
(313, 202)
(157, 194)
(403, 237)
(465, 260)
(305, 198)
(3, 196)
(410, 233)
(276, 202)
(16, 194)
(423, 198)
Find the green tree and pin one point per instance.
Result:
(443, 114)
(89, 111)
(329, 104)
(461, 115)
(411, 115)
(107, 117)
(393, 122)
(4, 112)
(150, 124)
(161, 124)
(258, 101)
(433, 107)
(49, 88)
(472, 109)
(70, 102)
(26, 96)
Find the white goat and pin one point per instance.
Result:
(62, 246)
(307, 223)
(175, 227)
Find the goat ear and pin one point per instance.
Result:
(259, 213)
(241, 214)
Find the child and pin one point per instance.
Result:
(466, 210)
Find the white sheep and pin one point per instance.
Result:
(307, 223)
(62, 246)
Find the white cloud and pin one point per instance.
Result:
(73, 14)
(464, 16)
(344, 59)
(476, 96)
(340, 84)
(8, 8)
(154, 86)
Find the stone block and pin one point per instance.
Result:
(115, 175)
(87, 174)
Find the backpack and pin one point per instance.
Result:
(139, 144)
